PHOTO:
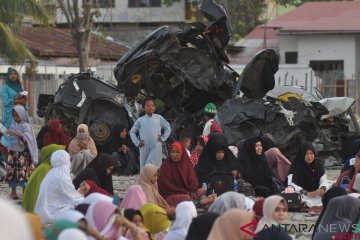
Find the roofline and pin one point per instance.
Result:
(317, 32)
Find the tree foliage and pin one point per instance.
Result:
(12, 13)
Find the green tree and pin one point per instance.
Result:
(12, 13)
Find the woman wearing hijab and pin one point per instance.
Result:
(134, 198)
(199, 147)
(148, 181)
(278, 163)
(307, 175)
(88, 187)
(355, 148)
(227, 226)
(155, 220)
(103, 216)
(200, 226)
(228, 201)
(99, 171)
(330, 194)
(255, 168)
(55, 134)
(177, 181)
(14, 225)
(258, 209)
(82, 150)
(216, 157)
(23, 151)
(136, 217)
(275, 213)
(185, 212)
(33, 186)
(10, 96)
(124, 151)
(341, 213)
(57, 193)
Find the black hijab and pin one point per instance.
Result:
(86, 174)
(255, 168)
(207, 160)
(304, 175)
(116, 141)
(129, 214)
(200, 226)
(102, 162)
(83, 207)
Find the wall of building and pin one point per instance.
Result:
(322, 47)
(122, 13)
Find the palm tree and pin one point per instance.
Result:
(12, 13)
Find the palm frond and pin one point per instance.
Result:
(12, 49)
(13, 11)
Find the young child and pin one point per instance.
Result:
(146, 134)
(210, 126)
(23, 152)
(186, 141)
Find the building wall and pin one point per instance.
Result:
(357, 56)
(322, 47)
(287, 44)
(122, 13)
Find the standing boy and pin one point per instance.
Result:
(146, 134)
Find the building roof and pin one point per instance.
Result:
(343, 16)
(57, 42)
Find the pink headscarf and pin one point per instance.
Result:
(134, 198)
(278, 163)
(102, 216)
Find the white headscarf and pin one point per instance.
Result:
(270, 204)
(356, 185)
(57, 193)
(72, 215)
(13, 223)
(25, 128)
(228, 201)
(185, 212)
(72, 233)
(96, 197)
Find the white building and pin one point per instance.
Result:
(322, 38)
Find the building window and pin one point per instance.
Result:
(144, 3)
(103, 3)
(291, 57)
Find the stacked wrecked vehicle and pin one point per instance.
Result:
(187, 68)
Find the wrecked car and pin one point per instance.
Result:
(84, 98)
(186, 68)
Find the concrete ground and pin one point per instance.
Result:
(121, 183)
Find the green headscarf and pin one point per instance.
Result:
(47, 151)
(14, 85)
(52, 232)
(33, 186)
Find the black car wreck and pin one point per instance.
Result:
(185, 69)
(84, 98)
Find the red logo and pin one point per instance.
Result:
(252, 224)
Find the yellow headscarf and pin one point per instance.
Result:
(155, 218)
(35, 223)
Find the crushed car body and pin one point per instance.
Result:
(84, 98)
